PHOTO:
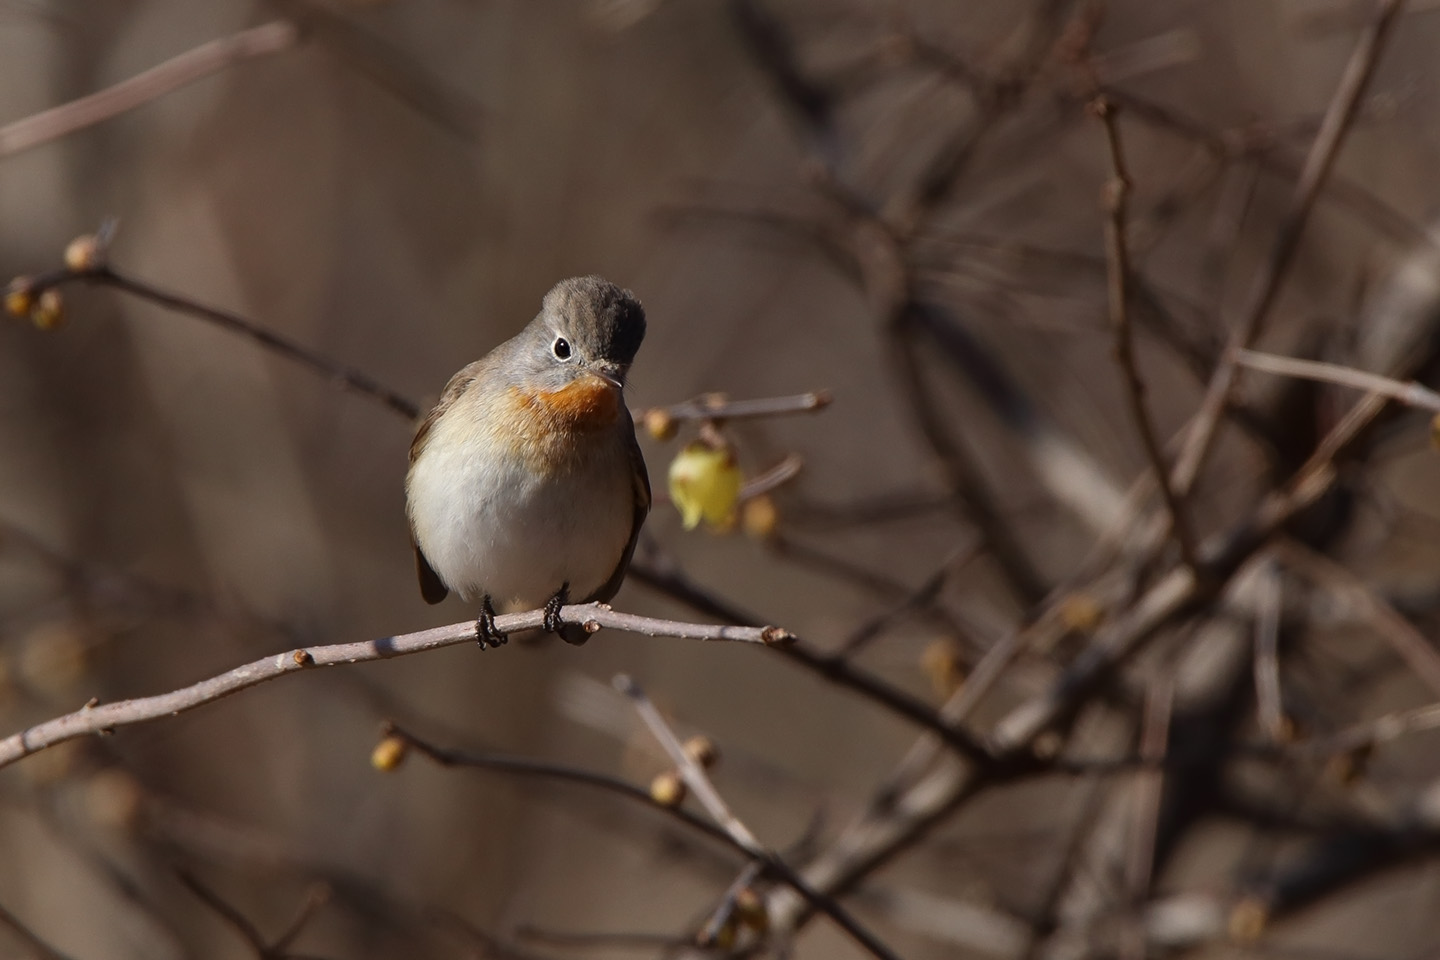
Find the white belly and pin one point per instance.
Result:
(488, 526)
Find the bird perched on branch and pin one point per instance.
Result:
(526, 485)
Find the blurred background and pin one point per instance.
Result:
(897, 202)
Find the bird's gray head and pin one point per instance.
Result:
(586, 326)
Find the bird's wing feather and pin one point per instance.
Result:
(432, 588)
(641, 507)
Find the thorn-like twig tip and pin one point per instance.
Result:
(777, 636)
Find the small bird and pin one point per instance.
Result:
(526, 483)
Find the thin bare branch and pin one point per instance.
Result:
(95, 717)
(1326, 146)
(177, 72)
(1410, 393)
(691, 772)
(1267, 658)
(1116, 197)
(717, 406)
(37, 948)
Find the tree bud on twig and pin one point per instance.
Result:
(667, 789)
(388, 754)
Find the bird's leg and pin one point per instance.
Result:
(485, 632)
(553, 623)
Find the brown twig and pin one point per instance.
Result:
(102, 718)
(178, 71)
(537, 768)
(1411, 394)
(1326, 146)
(1268, 605)
(740, 835)
(37, 947)
(1116, 197)
(347, 378)
(716, 406)
(1407, 642)
(1149, 783)
(690, 771)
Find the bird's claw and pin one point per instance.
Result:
(553, 622)
(485, 633)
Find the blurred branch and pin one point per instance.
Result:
(601, 939)
(773, 51)
(238, 922)
(1337, 121)
(669, 580)
(103, 718)
(348, 378)
(716, 406)
(699, 783)
(1116, 195)
(1269, 604)
(1411, 394)
(389, 68)
(179, 71)
(526, 767)
(36, 947)
(1409, 643)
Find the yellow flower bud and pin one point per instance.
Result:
(83, 253)
(1080, 613)
(388, 754)
(19, 298)
(659, 423)
(941, 663)
(751, 912)
(49, 311)
(705, 485)
(702, 750)
(1248, 920)
(759, 517)
(668, 789)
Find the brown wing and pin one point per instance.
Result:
(432, 588)
(641, 507)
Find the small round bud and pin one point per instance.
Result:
(49, 310)
(1248, 920)
(659, 423)
(388, 754)
(750, 910)
(941, 663)
(20, 298)
(1350, 766)
(759, 517)
(1080, 613)
(725, 937)
(1047, 745)
(83, 253)
(702, 750)
(668, 789)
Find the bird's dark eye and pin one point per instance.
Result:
(561, 348)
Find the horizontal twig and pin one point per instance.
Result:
(1409, 393)
(102, 718)
(716, 406)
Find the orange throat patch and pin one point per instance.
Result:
(586, 403)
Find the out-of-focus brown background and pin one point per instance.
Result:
(400, 187)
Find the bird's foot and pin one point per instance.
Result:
(553, 623)
(485, 633)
